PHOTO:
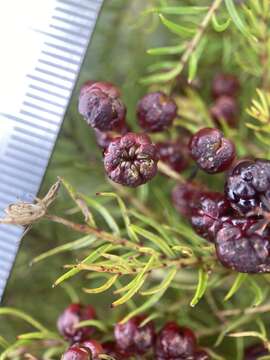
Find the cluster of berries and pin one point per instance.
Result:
(225, 88)
(236, 220)
(130, 158)
(132, 338)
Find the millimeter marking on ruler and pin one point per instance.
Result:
(56, 34)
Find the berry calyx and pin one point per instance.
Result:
(175, 342)
(156, 111)
(94, 347)
(225, 108)
(101, 106)
(211, 150)
(173, 154)
(133, 338)
(225, 84)
(254, 352)
(131, 160)
(77, 352)
(71, 317)
(208, 213)
(243, 245)
(248, 185)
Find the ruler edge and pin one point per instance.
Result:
(3, 296)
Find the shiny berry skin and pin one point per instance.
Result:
(101, 106)
(77, 352)
(211, 150)
(225, 84)
(132, 338)
(201, 354)
(208, 213)
(173, 154)
(242, 247)
(131, 160)
(225, 108)
(156, 111)
(184, 196)
(175, 342)
(248, 185)
(95, 348)
(254, 352)
(110, 348)
(71, 316)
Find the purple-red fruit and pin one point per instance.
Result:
(211, 150)
(77, 352)
(104, 138)
(71, 317)
(173, 154)
(225, 84)
(101, 106)
(110, 348)
(133, 338)
(243, 246)
(156, 111)
(201, 354)
(175, 342)
(254, 352)
(225, 108)
(94, 347)
(131, 160)
(248, 185)
(184, 196)
(208, 213)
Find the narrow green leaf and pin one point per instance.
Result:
(22, 315)
(124, 213)
(259, 294)
(163, 285)
(137, 283)
(4, 343)
(240, 278)
(236, 18)
(220, 27)
(176, 28)
(39, 336)
(162, 65)
(5, 354)
(96, 323)
(147, 304)
(231, 326)
(158, 241)
(168, 50)
(163, 77)
(103, 212)
(178, 10)
(73, 245)
(201, 287)
(192, 67)
(107, 285)
(88, 260)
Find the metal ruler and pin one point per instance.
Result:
(43, 43)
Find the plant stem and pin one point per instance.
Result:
(167, 170)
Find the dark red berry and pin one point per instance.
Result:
(101, 106)
(184, 196)
(104, 138)
(175, 342)
(254, 352)
(225, 108)
(211, 150)
(241, 245)
(248, 185)
(201, 354)
(225, 84)
(156, 111)
(95, 348)
(110, 348)
(208, 212)
(131, 160)
(71, 316)
(173, 154)
(133, 338)
(77, 352)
